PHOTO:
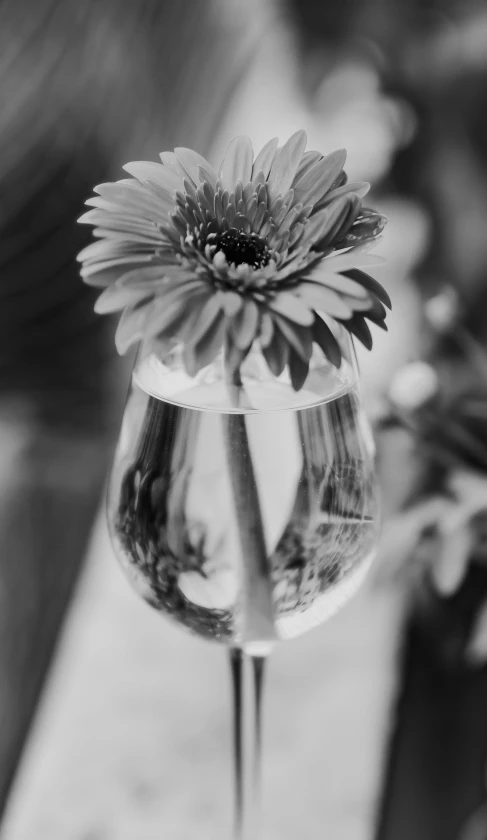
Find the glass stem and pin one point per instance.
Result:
(247, 682)
(258, 668)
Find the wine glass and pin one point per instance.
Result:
(246, 523)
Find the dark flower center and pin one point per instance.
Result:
(240, 247)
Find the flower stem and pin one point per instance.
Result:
(255, 629)
(232, 361)
(256, 614)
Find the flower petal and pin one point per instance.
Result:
(276, 353)
(285, 165)
(244, 325)
(359, 305)
(158, 240)
(296, 233)
(317, 180)
(370, 284)
(120, 221)
(230, 214)
(248, 193)
(324, 222)
(160, 192)
(135, 198)
(150, 276)
(103, 204)
(208, 314)
(189, 191)
(340, 180)
(101, 266)
(231, 302)
(359, 188)
(377, 314)
(170, 160)
(169, 311)
(292, 307)
(307, 161)
(187, 326)
(343, 223)
(358, 327)
(280, 206)
(251, 209)
(125, 234)
(131, 327)
(114, 298)
(266, 329)
(298, 337)
(172, 287)
(258, 182)
(165, 317)
(324, 300)
(104, 273)
(338, 282)
(156, 173)
(145, 240)
(324, 337)
(288, 220)
(207, 177)
(93, 217)
(260, 217)
(367, 226)
(268, 229)
(206, 198)
(265, 158)
(298, 370)
(192, 162)
(204, 351)
(352, 259)
(237, 163)
(106, 249)
(101, 281)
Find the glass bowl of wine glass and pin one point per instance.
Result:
(247, 522)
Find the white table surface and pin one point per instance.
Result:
(132, 741)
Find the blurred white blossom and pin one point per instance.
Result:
(413, 385)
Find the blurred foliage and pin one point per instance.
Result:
(430, 57)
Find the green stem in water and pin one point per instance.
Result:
(257, 614)
(233, 359)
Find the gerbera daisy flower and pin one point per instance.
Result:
(262, 249)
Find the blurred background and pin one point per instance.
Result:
(114, 724)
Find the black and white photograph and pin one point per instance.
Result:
(243, 420)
